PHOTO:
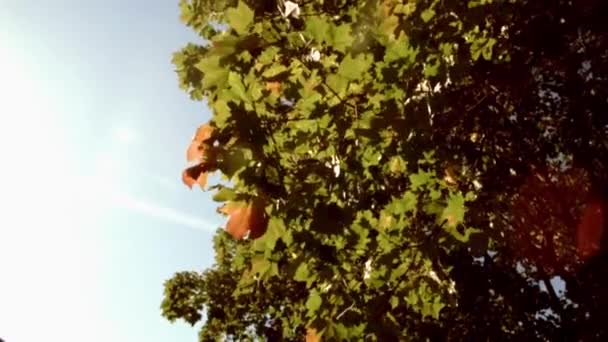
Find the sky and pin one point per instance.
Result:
(93, 132)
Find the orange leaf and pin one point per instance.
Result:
(203, 133)
(194, 174)
(312, 336)
(245, 218)
(273, 86)
(187, 179)
(195, 152)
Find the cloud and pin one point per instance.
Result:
(155, 210)
(107, 189)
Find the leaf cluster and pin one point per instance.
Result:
(397, 169)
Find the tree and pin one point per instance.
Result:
(400, 170)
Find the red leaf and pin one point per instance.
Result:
(243, 218)
(194, 174)
(195, 152)
(187, 179)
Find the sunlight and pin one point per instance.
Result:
(47, 248)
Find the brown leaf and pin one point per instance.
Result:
(243, 218)
(195, 152)
(274, 87)
(312, 336)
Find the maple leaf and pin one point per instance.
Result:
(245, 218)
(195, 152)
(193, 175)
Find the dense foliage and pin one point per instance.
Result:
(400, 169)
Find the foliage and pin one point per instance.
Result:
(399, 169)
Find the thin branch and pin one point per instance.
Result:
(345, 311)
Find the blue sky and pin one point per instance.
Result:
(93, 136)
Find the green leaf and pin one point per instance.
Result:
(352, 68)
(268, 55)
(240, 17)
(318, 28)
(259, 265)
(221, 112)
(236, 85)
(454, 211)
(428, 158)
(313, 303)
(427, 14)
(302, 273)
(388, 26)
(420, 179)
(371, 156)
(487, 49)
(408, 202)
(400, 49)
(436, 307)
(398, 272)
(224, 195)
(341, 37)
(337, 84)
(224, 45)
(470, 196)
(274, 231)
(397, 165)
(431, 68)
(304, 125)
(394, 302)
(274, 70)
(214, 75)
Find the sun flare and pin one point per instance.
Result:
(47, 247)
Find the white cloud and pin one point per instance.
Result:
(159, 211)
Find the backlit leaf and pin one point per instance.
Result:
(353, 68)
(318, 28)
(313, 303)
(454, 211)
(237, 86)
(245, 218)
(195, 175)
(240, 17)
(427, 14)
(194, 152)
(225, 194)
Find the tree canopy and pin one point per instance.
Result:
(399, 170)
